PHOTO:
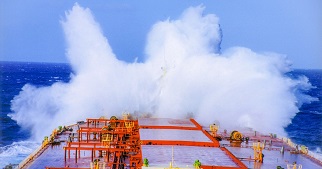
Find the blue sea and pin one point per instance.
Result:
(15, 144)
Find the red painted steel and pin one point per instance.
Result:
(131, 146)
(178, 142)
(169, 127)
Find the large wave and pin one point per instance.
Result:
(185, 74)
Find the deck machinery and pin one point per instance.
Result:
(125, 143)
(101, 143)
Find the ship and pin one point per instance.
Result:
(129, 142)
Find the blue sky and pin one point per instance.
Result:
(31, 31)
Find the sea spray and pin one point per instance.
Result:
(19, 150)
(184, 74)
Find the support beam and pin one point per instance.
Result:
(65, 153)
(76, 155)
(178, 143)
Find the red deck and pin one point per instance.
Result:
(126, 142)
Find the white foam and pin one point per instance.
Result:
(184, 74)
(16, 152)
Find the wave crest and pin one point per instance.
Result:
(184, 73)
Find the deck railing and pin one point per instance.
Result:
(31, 156)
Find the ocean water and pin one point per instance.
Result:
(14, 140)
(15, 144)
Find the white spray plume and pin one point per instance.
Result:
(184, 74)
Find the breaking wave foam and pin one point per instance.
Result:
(184, 74)
(16, 152)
